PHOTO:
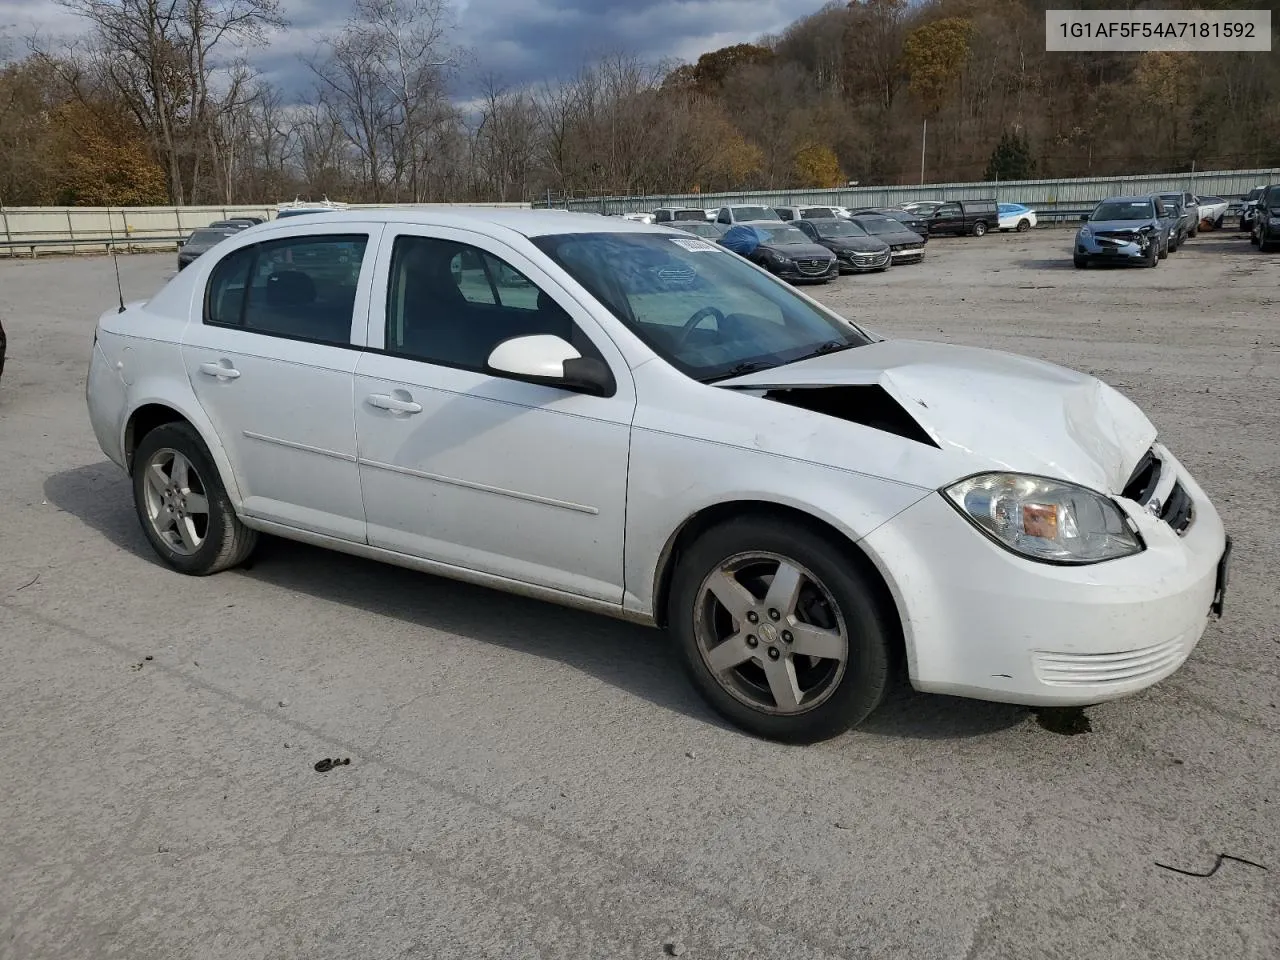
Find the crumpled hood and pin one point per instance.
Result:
(996, 410)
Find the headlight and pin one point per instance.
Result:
(1044, 519)
(1085, 233)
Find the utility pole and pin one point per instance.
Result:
(924, 134)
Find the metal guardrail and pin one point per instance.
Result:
(127, 243)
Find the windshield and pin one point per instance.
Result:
(1254, 194)
(207, 238)
(1123, 210)
(839, 228)
(786, 234)
(689, 215)
(705, 311)
(817, 213)
(879, 224)
(703, 229)
(754, 213)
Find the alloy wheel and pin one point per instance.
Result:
(771, 633)
(176, 503)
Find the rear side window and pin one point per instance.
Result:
(303, 288)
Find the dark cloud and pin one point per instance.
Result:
(519, 41)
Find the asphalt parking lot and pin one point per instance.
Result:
(528, 781)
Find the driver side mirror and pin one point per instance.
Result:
(552, 362)
(1084, 217)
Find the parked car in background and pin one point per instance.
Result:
(855, 249)
(201, 242)
(789, 214)
(675, 214)
(965, 217)
(230, 225)
(655, 430)
(300, 208)
(923, 208)
(783, 250)
(1016, 216)
(638, 217)
(1190, 206)
(707, 229)
(1128, 230)
(1248, 206)
(745, 213)
(1266, 219)
(906, 246)
(1169, 209)
(1213, 211)
(912, 221)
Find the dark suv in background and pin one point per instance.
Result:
(962, 217)
(1266, 219)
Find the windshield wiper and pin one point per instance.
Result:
(831, 346)
(738, 370)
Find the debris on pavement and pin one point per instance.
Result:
(1213, 869)
(328, 763)
(675, 948)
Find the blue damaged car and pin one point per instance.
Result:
(1132, 230)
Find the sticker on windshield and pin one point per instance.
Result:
(693, 245)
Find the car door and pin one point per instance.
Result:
(948, 218)
(271, 360)
(475, 469)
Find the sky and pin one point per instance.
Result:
(519, 41)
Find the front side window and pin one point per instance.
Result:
(303, 288)
(451, 304)
(948, 210)
(705, 311)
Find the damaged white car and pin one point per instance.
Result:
(631, 420)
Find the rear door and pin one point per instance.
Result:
(271, 362)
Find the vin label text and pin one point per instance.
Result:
(1143, 30)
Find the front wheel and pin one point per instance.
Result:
(183, 506)
(979, 229)
(778, 629)
(1080, 262)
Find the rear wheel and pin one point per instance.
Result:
(979, 229)
(1024, 226)
(183, 506)
(779, 630)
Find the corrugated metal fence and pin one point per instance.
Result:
(1051, 198)
(26, 231)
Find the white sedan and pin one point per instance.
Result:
(631, 420)
(1016, 216)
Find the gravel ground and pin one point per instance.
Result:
(527, 781)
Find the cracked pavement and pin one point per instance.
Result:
(529, 781)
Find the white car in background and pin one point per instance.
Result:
(633, 420)
(1016, 216)
(1213, 211)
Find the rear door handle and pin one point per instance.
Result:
(223, 370)
(385, 402)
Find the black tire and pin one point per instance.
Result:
(1024, 225)
(1153, 257)
(227, 542)
(1165, 250)
(1220, 222)
(1080, 262)
(870, 628)
(1174, 243)
(979, 229)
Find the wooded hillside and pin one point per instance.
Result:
(159, 103)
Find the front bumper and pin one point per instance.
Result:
(850, 262)
(982, 622)
(912, 254)
(1095, 251)
(794, 274)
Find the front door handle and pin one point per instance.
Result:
(223, 370)
(386, 402)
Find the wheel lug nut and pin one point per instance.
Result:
(773, 653)
(753, 617)
(774, 615)
(786, 636)
(752, 641)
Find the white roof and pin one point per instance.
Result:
(530, 223)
